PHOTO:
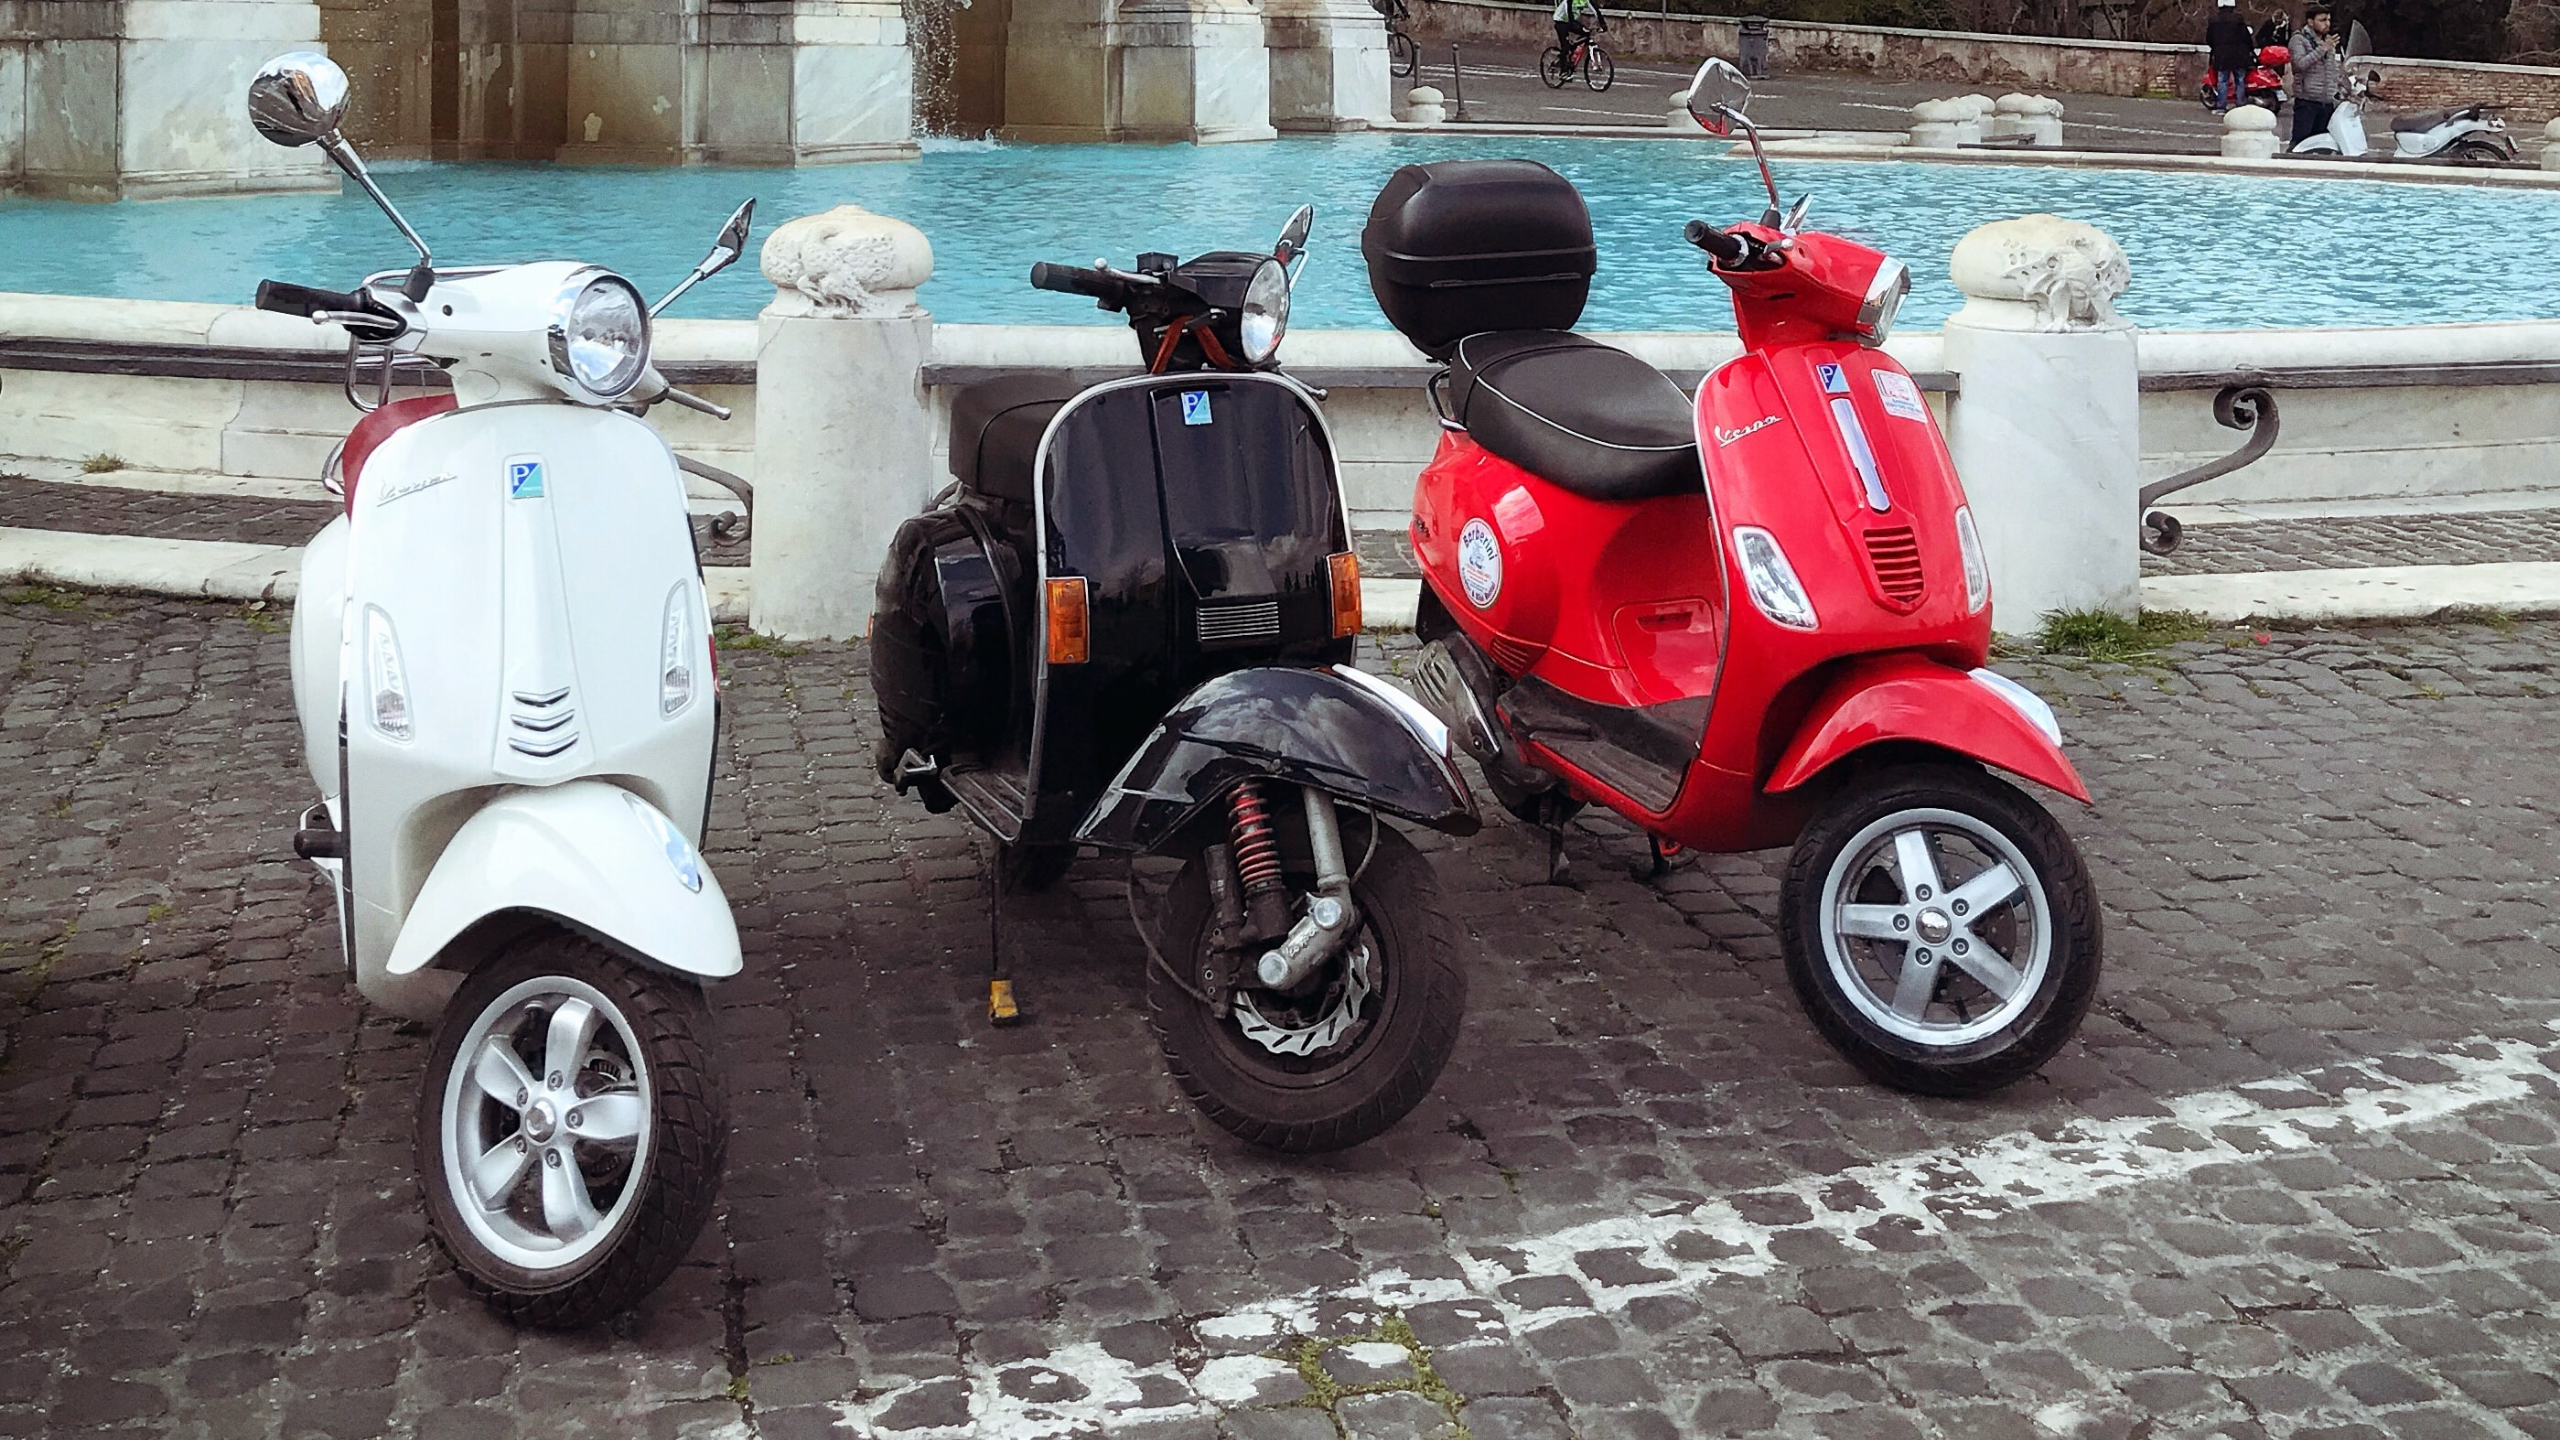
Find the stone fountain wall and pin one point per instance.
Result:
(627, 81)
(105, 99)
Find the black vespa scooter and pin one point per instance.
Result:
(1130, 624)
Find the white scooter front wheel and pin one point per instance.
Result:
(572, 1131)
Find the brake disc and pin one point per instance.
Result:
(1321, 1035)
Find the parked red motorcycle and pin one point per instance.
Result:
(1585, 642)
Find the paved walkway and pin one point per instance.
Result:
(2466, 538)
(2300, 1177)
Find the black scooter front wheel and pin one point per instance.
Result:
(1342, 1059)
(1940, 929)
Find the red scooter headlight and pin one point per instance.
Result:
(1884, 300)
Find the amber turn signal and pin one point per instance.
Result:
(1070, 640)
(1346, 593)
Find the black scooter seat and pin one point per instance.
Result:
(1590, 418)
(996, 427)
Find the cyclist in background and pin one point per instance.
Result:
(1571, 31)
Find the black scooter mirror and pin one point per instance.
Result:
(2359, 44)
(1293, 236)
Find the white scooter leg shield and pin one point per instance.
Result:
(587, 852)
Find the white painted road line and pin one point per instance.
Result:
(1684, 1247)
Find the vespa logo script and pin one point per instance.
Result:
(1726, 437)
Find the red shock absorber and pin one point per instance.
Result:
(1257, 852)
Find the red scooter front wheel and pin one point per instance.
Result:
(1941, 929)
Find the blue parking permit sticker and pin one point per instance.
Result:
(1835, 380)
(524, 479)
(1195, 407)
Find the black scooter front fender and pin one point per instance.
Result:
(1316, 728)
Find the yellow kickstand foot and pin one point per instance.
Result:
(1000, 1007)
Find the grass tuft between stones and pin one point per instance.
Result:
(48, 596)
(1306, 1355)
(2099, 635)
(739, 637)
(102, 463)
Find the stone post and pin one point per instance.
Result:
(2249, 133)
(2551, 145)
(1328, 64)
(1422, 106)
(2044, 427)
(844, 442)
(1935, 123)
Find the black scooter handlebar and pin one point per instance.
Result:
(1078, 280)
(1731, 249)
(286, 298)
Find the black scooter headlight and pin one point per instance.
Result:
(1265, 312)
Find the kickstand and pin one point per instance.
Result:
(1001, 1009)
(1559, 867)
(1666, 853)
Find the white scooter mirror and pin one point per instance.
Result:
(1718, 96)
(725, 250)
(1293, 236)
(298, 99)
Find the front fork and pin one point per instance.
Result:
(1250, 897)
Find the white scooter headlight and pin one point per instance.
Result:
(600, 333)
(1266, 312)
(1771, 580)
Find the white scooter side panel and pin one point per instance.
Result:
(319, 607)
(591, 853)
(512, 573)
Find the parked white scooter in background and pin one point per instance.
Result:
(2466, 134)
(502, 663)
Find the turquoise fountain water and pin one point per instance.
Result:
(2208, 251)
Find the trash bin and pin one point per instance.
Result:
(1755, 47)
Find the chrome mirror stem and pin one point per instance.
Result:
(1752, 133)
(338, 150)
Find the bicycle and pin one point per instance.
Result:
(1598, 71)
(1403, 55)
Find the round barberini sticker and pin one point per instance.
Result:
(1480, 564)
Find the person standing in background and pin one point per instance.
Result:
(2226, 37)
(2317, 72)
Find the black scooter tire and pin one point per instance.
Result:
(680, 1176)
(2070, 983)
(1390, 1068)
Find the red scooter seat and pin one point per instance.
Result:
(1591, 419)
(378, 426)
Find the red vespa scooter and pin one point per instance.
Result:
(1787, 649)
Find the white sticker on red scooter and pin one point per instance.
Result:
(1900, 396)
(1480, 564)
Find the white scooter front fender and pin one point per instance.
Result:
(587, 852)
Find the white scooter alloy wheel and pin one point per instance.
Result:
(571, 1131)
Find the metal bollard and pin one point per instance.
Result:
(1457, 84)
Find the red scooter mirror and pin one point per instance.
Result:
(1718, 96)
(1716, 100)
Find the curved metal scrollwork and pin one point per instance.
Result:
(2237, 407)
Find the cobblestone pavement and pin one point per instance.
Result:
(2299, 1178)
(105, 510)
(2472, 538)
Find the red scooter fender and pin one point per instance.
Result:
(1903, 697)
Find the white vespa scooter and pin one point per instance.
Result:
(502, 663)
(2464, 134)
